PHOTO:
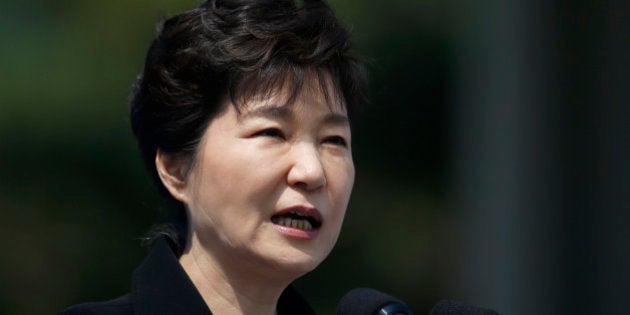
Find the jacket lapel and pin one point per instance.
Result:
(161, 286)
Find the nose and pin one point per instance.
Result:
(307, 170)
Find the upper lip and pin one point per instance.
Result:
(302, 210)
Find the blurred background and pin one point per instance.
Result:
(492, 162)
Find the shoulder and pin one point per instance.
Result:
(121, 305)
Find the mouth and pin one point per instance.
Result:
(301, 218)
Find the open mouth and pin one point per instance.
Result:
(297, 220)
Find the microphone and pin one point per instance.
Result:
(364, 301)
(446, 307)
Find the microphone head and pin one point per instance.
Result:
(365, 301)
(446, 307)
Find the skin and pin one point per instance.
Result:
(250, 165)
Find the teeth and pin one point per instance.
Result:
(302, 224)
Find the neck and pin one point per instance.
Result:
(228, 288)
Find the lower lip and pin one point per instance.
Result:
(296, 233)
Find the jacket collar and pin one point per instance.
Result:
(161, 286)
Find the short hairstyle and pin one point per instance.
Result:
(237, 49)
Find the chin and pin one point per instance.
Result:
(297, 262)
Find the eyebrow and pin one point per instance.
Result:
(336, 119)
(286, 113)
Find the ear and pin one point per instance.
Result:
(173, 172)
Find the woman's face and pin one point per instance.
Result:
(270, 184)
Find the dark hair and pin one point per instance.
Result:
(237, 49)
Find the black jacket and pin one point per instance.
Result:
(161, 286)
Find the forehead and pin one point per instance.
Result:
(289, 112)
(310, 88)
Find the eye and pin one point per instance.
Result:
(336, 140)
(271, 132)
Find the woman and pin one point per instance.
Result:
(242, 114)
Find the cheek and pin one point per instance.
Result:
(349, 174)
(341, 182)
(235, 166)
(240, 176)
